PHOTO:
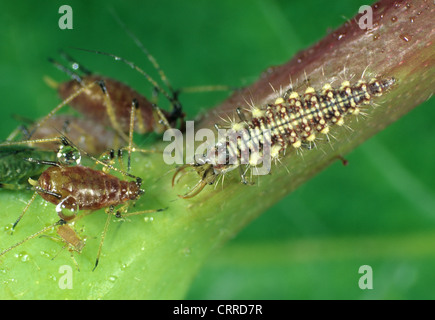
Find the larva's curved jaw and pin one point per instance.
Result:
(205, 171)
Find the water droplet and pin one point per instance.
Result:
(23, 256)
(376, 37)
(45, 254)
(412, 19)
(8, 227)
(393, 18)
(148, 219)
(112, 278)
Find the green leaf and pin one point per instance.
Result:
(377, 211)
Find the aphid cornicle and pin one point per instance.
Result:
(291, 120)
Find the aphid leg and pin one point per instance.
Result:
(135, 67)
(71, 241)
(73, 75)
(20, 129)
(75, 65)
(206, 88)
(111, 111)
(109, 212)
(25, 210)
(162, 119)
(29, 142)
(134, 107)
(122, 212)
(60, 222)
(150, 57)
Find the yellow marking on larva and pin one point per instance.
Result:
(310, 90)
(294, 95)
(325, 130)
(279, 100)
(275, 150)
(344, 84)
(297, 144)
(311, 137)
(238, 126)
(257, 112)
(326, 87)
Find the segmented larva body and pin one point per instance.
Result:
(292, 120)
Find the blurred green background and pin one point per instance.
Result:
(377, 211)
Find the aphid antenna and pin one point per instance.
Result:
(74, 64)
(140, 45)
(29, 142)
(162, 74)
(73, 75)
(135, 67)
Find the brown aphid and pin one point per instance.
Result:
(93, 104)
(71, 240)
(76, 188)
(108, 101)
(70, 237)
(81, 188)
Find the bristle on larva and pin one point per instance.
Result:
(291, 121)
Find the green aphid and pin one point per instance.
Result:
(15, 170)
